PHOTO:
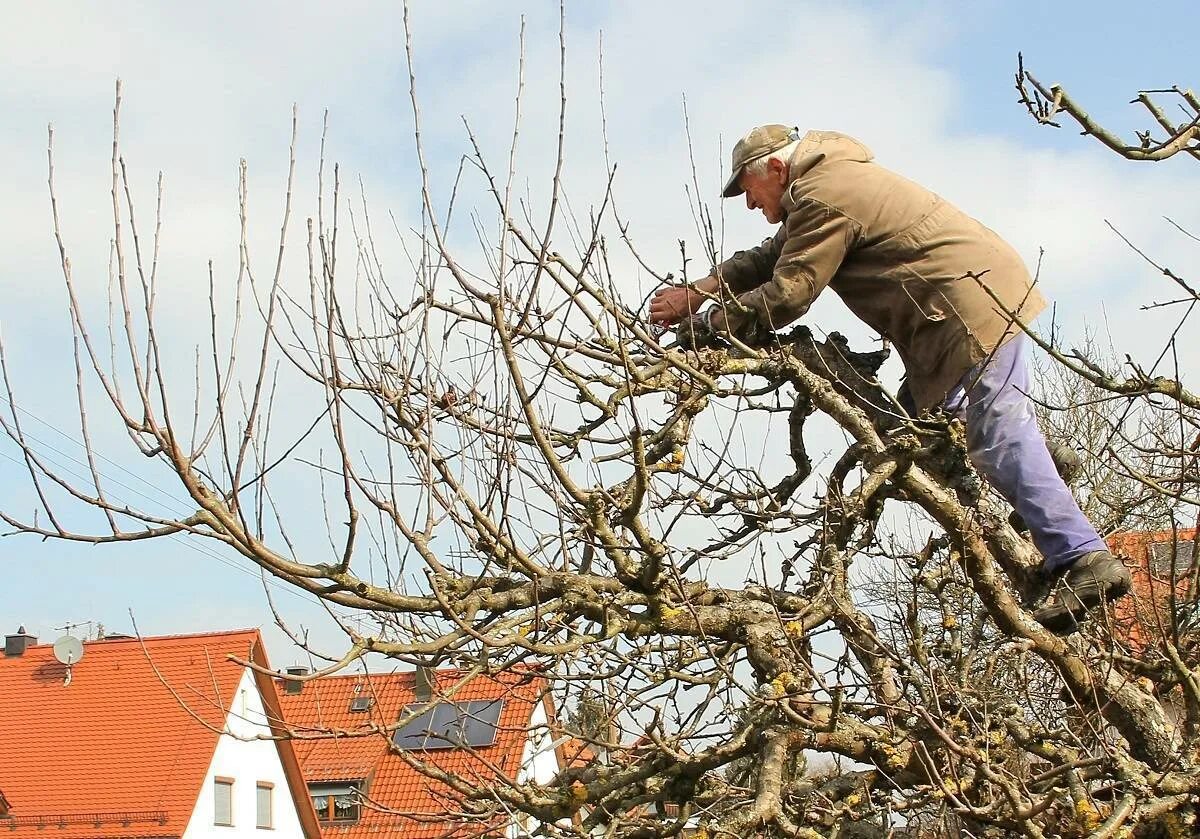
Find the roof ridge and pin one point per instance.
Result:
(441, 671)
(154, 639)
(122, 638)
(183, 636)
(1165, 532)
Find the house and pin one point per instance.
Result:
(1162, 564)
(481, 728)
(136, 738)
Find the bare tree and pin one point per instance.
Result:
(1119, 447)
(523, 470)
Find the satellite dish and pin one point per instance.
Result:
(68, 650)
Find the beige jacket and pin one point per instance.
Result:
(898, 256)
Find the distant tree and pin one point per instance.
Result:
(590, 719)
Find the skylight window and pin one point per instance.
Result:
(451, 725)
(1167, 558)
(359, 704)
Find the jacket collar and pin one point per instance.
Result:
(817, 147)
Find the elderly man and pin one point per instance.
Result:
(910, 265)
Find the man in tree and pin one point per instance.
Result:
(912, 266)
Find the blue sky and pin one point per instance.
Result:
(927, 85)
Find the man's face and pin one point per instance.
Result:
(764, 191)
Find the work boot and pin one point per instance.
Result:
(1035, 585)
(1092, 579)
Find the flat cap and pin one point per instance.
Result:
(759, 142)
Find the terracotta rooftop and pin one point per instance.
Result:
(1145, 616)
(404, 802)
(115, 753)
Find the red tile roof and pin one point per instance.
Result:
(403, 801)
(1140, 620)
(115, 753)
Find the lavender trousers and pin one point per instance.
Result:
(1007, 448)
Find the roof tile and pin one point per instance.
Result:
(1142, 619)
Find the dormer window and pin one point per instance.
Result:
(337, 802)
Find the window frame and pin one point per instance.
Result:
(327, 817)
(259, 788)
(221, 781)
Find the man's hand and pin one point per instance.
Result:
(670, 305)
(697, 333)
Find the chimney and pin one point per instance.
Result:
(423, 684)
(294, 686)
(15, 645)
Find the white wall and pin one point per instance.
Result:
(247, 761)
(539, 763)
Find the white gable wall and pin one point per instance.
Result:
(539, 764)
(247, 760)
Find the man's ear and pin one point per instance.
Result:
(777, 168)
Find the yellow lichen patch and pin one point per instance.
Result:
(794, 629)
(1088, 816)
(892, 759)
(671, 464)
(949, 621)
(785, 682)
(949, 787)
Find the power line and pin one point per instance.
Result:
(177, 537)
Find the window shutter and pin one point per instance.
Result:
(223, 801)
(263, 816)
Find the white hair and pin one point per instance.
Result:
(757, 167)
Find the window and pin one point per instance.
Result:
(336, 802)
(262, 818)
(359, 704)
(223, 802)
(450, 725)
(1167, 555)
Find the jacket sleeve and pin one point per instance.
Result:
(817, 239)
(752, 267)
